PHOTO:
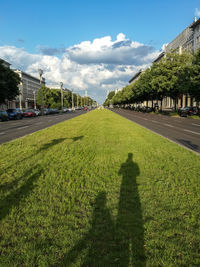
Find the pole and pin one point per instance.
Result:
(72, 100)
(34, 99)
(20, 96)
(41, 95)
(77, 99)
(61, 85)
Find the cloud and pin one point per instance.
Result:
(122, 51)
(197, 12)
(50, 51)
(97, 66)
(20, 40)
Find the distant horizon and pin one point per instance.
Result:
(97, 46)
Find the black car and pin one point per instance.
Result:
(3, 115)
(13, 114)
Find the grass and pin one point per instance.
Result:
(98, 190)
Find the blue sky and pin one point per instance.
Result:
(60, 35)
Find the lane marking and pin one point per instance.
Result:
(196, 124)
(190, 131)
(169, 125)
(154, 121)
(22, 127)
(2, 133)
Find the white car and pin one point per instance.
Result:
(37, 112)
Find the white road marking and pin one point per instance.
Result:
(145, 119)
(169, 125)
(154, 121)
(2, 133)
(22, 127)
(190, 131)
(196, 124)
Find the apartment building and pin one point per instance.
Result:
(28, 89)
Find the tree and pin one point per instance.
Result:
(9, 81)
(171, 76)
(194, 89)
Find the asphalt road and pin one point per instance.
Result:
(10, 130)
(184, 131)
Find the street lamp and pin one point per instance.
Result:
(72, 100)
(77, 99)
(34, 92)
(61, 91)
(20, 95)
(41, 96)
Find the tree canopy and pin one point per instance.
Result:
(172, 76)
(9, 81)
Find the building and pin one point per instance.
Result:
(5, 63)
(196, 34)
(187, 40)
(136, 76)
(28, 89)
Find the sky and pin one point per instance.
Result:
(93, 45)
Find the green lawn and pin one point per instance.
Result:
(98, 190)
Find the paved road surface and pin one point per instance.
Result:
(13, 129)
(183, 131)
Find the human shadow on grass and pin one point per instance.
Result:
(114, 244)
(98, 243)
(14, 198)
(129, 225)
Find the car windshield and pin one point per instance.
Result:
(11, 110)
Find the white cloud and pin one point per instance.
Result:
(197, 12)
(96, 66)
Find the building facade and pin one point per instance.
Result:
(28, 90)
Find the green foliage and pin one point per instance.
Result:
(174, 75)
(9, 81)
(98, 190)
(194, 89)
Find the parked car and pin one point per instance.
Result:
(193, 111)
(29, 113)
(20, 111)
(188, 111)
(37, 112)
(46, 111)
(3, 115)
(14, 114)
(65, 109)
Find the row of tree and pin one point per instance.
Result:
(172, 76)
(52, 98)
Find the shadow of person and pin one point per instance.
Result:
(129, 224)
(99, 242)
(76, 138)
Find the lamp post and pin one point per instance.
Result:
(41, 96)
(77, 99)
(34, 92)
(20, 96)
(72, 101)
(61, 91)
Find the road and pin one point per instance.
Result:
(184, 131)
(10, 130)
